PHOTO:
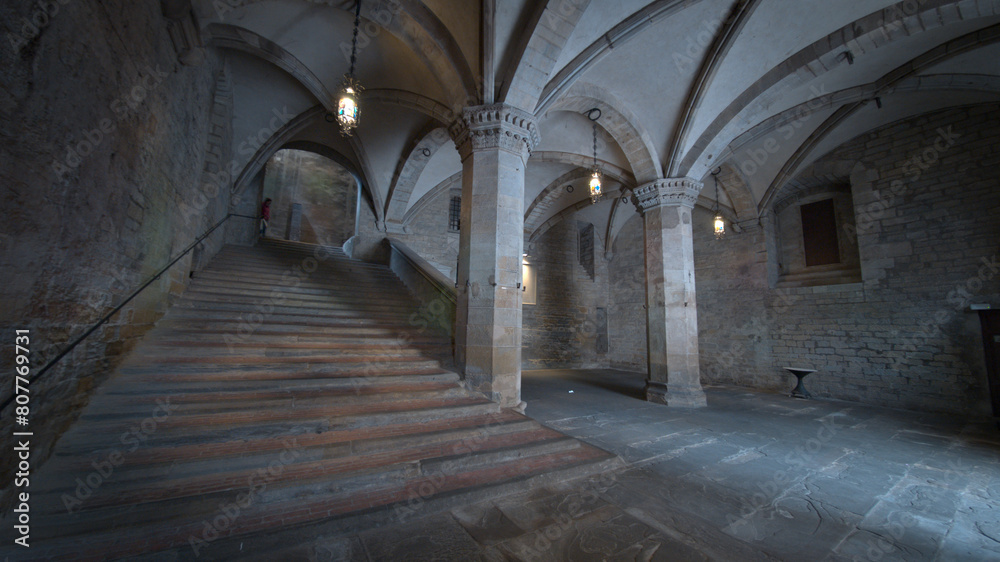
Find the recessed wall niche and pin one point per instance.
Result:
(815, 237)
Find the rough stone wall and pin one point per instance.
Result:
(427, 233)
(562, 330)
(929, 242)
(627, 318)
(733, 321)
(102, 154)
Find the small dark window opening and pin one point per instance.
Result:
(819, 233)
(455, 214)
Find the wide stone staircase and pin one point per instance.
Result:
(289, 388)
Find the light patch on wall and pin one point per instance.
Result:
(529, 283)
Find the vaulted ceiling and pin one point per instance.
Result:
(757, 88)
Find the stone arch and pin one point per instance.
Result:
(561, 216)
(285, 135)
(326, 151)
(422, 31)
(582, 161)
(409, 171)
(622, 210)
(621, 123)
(876, 30)
(738, 17)
(233, 37)
(887, 82)
(551, 26)
(626, 30)
(240, 39)
(552, 192)
(453, 181)
(737, 192)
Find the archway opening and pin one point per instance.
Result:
(314, 199)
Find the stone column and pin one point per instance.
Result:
(672, 312)
(494, 142)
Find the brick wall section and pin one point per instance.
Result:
(561, 330)
(929, 244)
(627, 317)
(74, 243)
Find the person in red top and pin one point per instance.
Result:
(265, 215)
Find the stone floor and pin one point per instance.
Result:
(751, 477)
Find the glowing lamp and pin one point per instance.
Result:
(595, 186)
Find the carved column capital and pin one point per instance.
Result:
(496, 126)
(668, 192)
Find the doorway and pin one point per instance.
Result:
(990, 319)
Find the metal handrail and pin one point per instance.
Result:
(122, 304)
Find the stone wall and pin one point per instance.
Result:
(627, 319)
(103, 167)
(927, 199)
(562, 330)
(426, 233)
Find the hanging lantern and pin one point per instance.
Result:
(595, 177)
(595, 186)
(348, 106)
(348, 109)
(720, 223)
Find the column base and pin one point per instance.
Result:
(661, 393)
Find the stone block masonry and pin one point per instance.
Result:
(562, 330)
(929, 240)
(103, 168)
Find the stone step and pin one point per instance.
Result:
(217, 328)
(303, 473)
(268, 309)
(290, 271)
(178, 429)
(195, 299)
(363, 439)
(123, 405)
(359, 385)
(318, 295)
(342, 279)
(138, 372)
(251, 319)
(298, 338)
(274, 347)
(259, 403)
(115, 535)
